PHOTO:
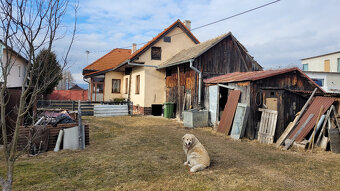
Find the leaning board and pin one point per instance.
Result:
(239, 123)
(267, 126)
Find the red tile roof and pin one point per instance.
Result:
(253, 76)
(164, 32)
(109, 60)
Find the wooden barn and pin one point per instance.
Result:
(186, 70)
(285, 91)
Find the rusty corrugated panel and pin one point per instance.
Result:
(229, 112)
(314, 108)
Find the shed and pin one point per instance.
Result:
(281, 90)
(186, 70)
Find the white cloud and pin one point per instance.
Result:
(277, 35)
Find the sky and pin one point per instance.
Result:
(277, 36)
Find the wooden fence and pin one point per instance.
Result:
(87, 107)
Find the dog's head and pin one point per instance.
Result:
(189, 140)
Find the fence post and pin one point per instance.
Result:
(80, 128)
(73, 105)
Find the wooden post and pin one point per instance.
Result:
(80, 128)
(178, 93)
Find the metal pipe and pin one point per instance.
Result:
(199, 80)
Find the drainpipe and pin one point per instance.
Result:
(199, 80)
(89, 89)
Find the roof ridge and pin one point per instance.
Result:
(104, 56)
(178, 21)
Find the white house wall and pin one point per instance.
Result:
(17, 73)
(317, 63)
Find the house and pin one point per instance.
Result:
(329, 62)
(186, 70)
(285, 91)
(137, 78)
(324, 70)
(329, 81)
(100, 78)
(18, 64)
(15, 80)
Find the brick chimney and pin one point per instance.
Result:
(134, 48)
(187, 23)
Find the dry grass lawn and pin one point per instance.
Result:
(145, 153)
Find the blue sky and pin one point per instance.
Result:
(276, 36)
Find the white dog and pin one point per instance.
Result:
(197, 156)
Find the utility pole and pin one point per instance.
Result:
(87, 57)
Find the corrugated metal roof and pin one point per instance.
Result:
(314, 108)
(253, 76)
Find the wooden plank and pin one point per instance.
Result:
(229, 111)
(334, 137)
(322, 132)
(289, 142)
(271, 103)
(239, 125)
(267, 126)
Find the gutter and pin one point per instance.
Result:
(135, 64)
(199, 80)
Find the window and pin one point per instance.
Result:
(156, 53)
(126, 85)
(137, 84)
(19, 68)
(327, 66)
(167, 39)
(305, 67)
(319, 81)
(115, 86)
(338, 65)
(98, 87)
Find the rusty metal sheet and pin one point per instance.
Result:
(314, 108)
(229, 112)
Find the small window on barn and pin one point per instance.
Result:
(19, 70)
(156, 53)
(115, 85)
(137, 84)
(272, 94)
(167, 39)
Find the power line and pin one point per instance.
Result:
(205, 25)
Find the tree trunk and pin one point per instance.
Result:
(6, 186)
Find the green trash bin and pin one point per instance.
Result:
(168, 111)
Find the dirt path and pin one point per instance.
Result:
(145, 153)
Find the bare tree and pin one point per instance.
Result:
(66, 82)
(27, 26)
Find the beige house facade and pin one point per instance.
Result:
(137, 79)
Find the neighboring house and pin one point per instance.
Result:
(329, 81)
(137, 78)
(323, 63)
(101, 80)
(324, 70)
(281, 90)
(186, 70)
(18, 64)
